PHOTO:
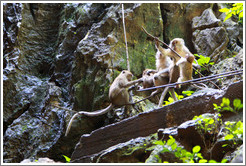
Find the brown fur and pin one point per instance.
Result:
(118, 95)
(185, 65)
(148, 78)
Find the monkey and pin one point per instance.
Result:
(162, 64)
(168, 71)
(148, 78)
(174, 73)
(178, 45)
(118, 96)
(185, 66)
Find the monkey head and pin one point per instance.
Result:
(148, 72)
(176, 42)
(127, 74)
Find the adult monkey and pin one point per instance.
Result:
(118, 95)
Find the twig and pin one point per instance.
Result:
(127, 56)
(203, 76)
(198, 80)
(160, 41)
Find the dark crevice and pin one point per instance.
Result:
(164, 20)
(14, 116)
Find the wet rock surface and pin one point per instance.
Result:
(69, 54)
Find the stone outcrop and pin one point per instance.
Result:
(148, 123)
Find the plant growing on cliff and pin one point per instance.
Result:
(233, 132)
(171, 146)
(67, 158)
(171, 100)
(236, 9)
(204, 62)
(225, 105)
(208, 126)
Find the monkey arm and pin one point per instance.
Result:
(130, 83)
(166, 70)
(151, 71)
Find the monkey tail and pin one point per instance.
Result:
(70, 123)
(95, 113)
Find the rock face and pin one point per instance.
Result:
(69, 54)
(211, 36)
(177, 20)
(148, 123)
(65, 56)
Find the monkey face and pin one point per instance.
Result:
(127, 74)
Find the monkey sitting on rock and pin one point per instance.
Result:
(118, 95)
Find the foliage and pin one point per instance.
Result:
(207, 124)
(225, 105)
(67, 158)
(204, 62)
(236, 9)
(171, 100)
(208, 127)
(188, 93)
(234, 132)
(182, 154)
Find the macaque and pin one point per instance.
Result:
(178, 45)
(118, 95)
(162, 66)
(148, 78)
(185, 66)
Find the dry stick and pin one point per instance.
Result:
(175, 53)
(195, 80)
(160, 41)
(127, 56)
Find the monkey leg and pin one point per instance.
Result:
(132, 83)
(163, 96)
(173, 94)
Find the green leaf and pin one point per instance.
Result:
(224, 161)
(203, 161)
(227, 16)
(211, 121)
(225, 101)
(199, 155)
(160, 142)
(170, 141)
(150, 148)
(224, 10)
(224, 145)
(174, 146)
(66, 158)
(236, 102)
(229, 137)
(196, 149)
(212, 161)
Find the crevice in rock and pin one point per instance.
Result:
(14, 116)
